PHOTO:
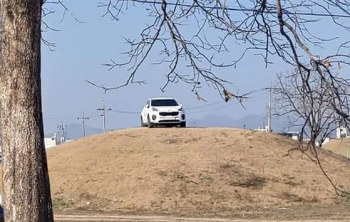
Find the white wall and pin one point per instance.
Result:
(50, 142)
(324, 142)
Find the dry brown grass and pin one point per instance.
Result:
(191, 170)
(339, 146)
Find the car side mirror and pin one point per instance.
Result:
(147, 106)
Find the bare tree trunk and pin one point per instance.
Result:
(25, 175)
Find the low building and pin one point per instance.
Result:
(342, 132)
(293, 135)
(50, 142)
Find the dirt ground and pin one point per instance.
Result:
(195, 172)
(105, 218)
(302, 213)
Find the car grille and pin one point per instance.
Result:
(169, 121)
(169, 113)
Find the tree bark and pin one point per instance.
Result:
(27, 195)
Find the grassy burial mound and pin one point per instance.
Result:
(191, 171)
(339, 146)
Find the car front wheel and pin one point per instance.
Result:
(149, 124)
(142, 124)
(183, 124)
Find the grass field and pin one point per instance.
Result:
(195, 172)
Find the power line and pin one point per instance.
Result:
(259, 95)
(103, 109)
(318, 14)
(189, 108)
(71, 117)
(221, 107)
(211, 104)
(55, 118)
(122, 111)
(231, 104)
(93, 114)
(132, 112)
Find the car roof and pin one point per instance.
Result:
(157, 98)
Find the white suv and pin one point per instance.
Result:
(163, 111)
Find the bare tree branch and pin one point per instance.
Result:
(279, 28)
(48, 9)
(313, 110)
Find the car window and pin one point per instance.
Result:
(164, 102)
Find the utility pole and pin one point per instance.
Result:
(103, 109)
(269, 108)
(62, 131)
(269, 111)
(83, 118)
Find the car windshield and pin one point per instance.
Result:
(164, 102)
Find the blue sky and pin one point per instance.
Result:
(82, 48)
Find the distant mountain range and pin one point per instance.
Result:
(248, 122)
(279, 124)
(74, 131)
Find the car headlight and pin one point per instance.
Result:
(180, 109)
(154, 109)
